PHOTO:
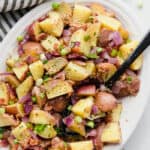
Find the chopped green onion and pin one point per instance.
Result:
(78, 119)
(20, 38)
(1, 135)
(90, 124)
(2, 110)
(114, 53)
(16, 141)
(69, 107)
(29, 125)
(29, 74)
(99, 49)
(58, 130)
(11, 102)
(87, 37)
(129, 79)
(91, 18)
(55, 5)
(93, 56)
(64, 51)
(42, 95)
(45, 61)
(45, 78)
(39, 128)
(34, 99)
(2, 130)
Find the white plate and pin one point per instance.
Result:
(133, 106)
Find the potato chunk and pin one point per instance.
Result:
(4, 94)
(116, 112)
(111, 133)
(21, 71)
(83, 107)
(81, 14)
(55, 65)
(41, 117)
(21, 132)
(53, 25)
(37, 69)
(75, 72)
(15, 109)
(24, 87)
(49, 43)
(127, 49)
(6, 120)
(82, 145)
(109, 22)
(57, 88)
(78, 36)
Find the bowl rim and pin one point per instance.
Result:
(118, 5)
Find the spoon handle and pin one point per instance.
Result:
(142, 46)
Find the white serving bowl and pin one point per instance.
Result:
(133, 107)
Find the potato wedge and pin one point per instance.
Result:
(4, 94)
(49, 43)
(83, 107)
(124, 33)
(126, 49)
(116, 112)
(111, 133)
(21, 132)
(41, 117)
(53, 25)
(7, 120)
(93, 31)
(21, 71)
(75, 72)
(24, 87)
(55, 65)
(78, 36)
(78, 128)
(65, 11)
(91, 68)
(12, 80)
(10, 62)
(88, 145)
(79, 16)
(109, 22)
(37, 69)
(48, 132)
(15, 109)
(57, 88)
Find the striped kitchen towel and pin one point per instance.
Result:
(11, 11)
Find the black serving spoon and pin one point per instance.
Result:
(142, 46)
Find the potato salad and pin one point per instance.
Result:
(53, 94)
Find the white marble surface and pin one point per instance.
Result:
(140, 139)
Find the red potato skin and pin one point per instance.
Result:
(105, 101)
(87, 90)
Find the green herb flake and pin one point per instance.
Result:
(11, 102)
(90, 124)
(93, 56)
(2, 130)
(2, 110)
(29, 74)
(78, 119)
(91, 18)
(1, 136)
(69, 107)
(20, 38)
(42, 95)
(87, 38)
(45, 78)
(34, 99)
(64, 51)
(99, 49)
(39, 128)
(114, 53)
(45, 61)
(55, 5)
(16, 141)
(129, 79)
